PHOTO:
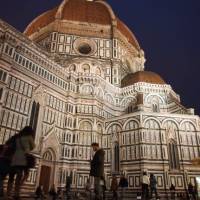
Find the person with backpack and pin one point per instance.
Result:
(6, 153)
(19, 163)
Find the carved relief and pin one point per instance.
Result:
(40, 95)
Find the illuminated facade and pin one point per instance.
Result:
(77, 76)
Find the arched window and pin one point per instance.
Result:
(98, 71)
(173, 155)
(72, 68)
(34, 115)
(48, 156)
(155, 107)
(116, 157)
(86, 68)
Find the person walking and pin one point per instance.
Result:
(123, 184)
(97, 169)
(153, 186)
(114, 187)
(172, 191)
(145, 186)
(24, 144)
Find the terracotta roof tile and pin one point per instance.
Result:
(142, 76)
(81, 11)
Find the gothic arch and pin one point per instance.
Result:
(173, 155)
(85, 133)
(47, 168)
(85, 125)
(172, 129)
(113, 124)
(109, 98)
(153, 119)
(184, 122)
(155, 97)
(99, 92)
(131, 120)
(127, 100)
(87, 89)
(170, 120)
(49, 155)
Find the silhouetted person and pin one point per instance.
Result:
(68, 185)
(123, 184)
(6, 153)
(39, 193)
(114, 187)
(24, 144)
(145, 186)
(52, 192)
(191, 191)
(172, 190)
(153, 186)
(97, 169)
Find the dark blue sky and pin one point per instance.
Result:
(168, 31)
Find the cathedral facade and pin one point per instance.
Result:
(77, 76)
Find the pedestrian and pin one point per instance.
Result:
(39, 193)
(6, 153)
(97, 169)
(145, 186)
(153, 186)
(103, 187)
(19, 162)
(114, 187)
(191, 191)
(52, 192)
(172, 191)
(68, 186)
(123, 184)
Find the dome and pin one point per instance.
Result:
(142, 76)
(91, 12)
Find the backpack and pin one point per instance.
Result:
(8, 149)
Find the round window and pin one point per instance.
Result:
(85, 48)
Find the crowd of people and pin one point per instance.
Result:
(16, 160)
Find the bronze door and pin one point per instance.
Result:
(45, 175)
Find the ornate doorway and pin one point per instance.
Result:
(47, 170)
(45, 175)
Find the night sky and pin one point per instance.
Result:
(168, 31)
